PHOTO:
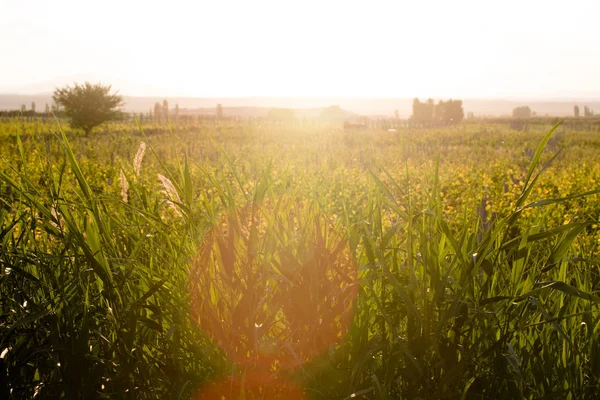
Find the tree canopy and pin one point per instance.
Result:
(522, 112)
(88, 105)
(332, 114)
(445, 112)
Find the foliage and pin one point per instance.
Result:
(450, 111)
(423, 112)
(88, 105)
(333, 114)
(251, 262)
(445, 112)
(522, 112)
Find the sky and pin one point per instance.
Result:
(468, 49)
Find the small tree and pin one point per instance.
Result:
(165, 106)
(157, 110)
(88, 105)
(522, 112)
(332, 115)
(576, 111)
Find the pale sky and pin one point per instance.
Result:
(518, 48)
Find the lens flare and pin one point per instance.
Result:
(274, 284)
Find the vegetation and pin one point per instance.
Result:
(445, 112)
(199, 259)
(587, 112)
(88, 105)
(522, 112)
(333, 114)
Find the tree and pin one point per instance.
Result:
(446, 112)
(522, 112)
(332, 115)
(89, 105)
(576, 111)
(587, 112)
(219, 111)
(453, 111)
(165, 109)
(33, 107)
(157, 110)
(423, 112)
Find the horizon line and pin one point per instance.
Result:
(548, 98)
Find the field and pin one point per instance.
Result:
(199, 259)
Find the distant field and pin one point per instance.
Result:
(307, 261)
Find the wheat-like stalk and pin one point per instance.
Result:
(124, 186)
(139, 157)
(57, 217)
(169, 187)
(171, 192)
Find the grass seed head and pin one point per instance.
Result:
(139, 157)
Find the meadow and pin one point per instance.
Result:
(200, 259)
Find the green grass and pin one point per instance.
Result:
(268, 262)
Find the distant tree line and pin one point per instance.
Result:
(161, 111)
(444, 112)
(525, 112)
(23, 111)
(587, 112)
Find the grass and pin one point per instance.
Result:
(290, 262)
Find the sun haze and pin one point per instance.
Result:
(299, 200)
(306, 48)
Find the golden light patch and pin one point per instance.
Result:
(274, 285)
